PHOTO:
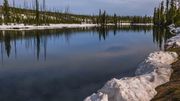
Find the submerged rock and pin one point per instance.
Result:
(154, 71)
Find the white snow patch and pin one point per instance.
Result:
(56, 26)
(97, 97)
(173, 42)
(51, 26)
(173, 29)
(154, 71)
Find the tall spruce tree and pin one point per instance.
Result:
(167, 15)
(99, 17)
(167, 12)
(103, 23)
(162, 15)
(172, 11)
(115, 19)
(155, 16)
(37, 12)
(177, 18)
(44, 10)
(6, 14)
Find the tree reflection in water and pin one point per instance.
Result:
(34, 70)
(39, 38)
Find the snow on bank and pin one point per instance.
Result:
(143, 24)
(173, 42)
(51, 26)
(154, 71)
(135, 24)
(59, 26)
(173, 29)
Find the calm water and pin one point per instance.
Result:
(70, 64)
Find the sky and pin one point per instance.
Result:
(120, 7)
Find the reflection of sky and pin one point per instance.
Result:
(72, 70)
(121, 7)
(80, 47)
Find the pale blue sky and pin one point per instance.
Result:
(121, 7)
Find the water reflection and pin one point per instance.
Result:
(160, 35)
(39, 38)
(70, 64)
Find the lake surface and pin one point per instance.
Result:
(71, 64)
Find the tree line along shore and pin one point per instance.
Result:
(167, 12)
(38, 14)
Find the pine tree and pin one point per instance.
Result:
(99, 17)
(158, 16)
(6, 12)
(155, 16)
(115, 19)
(177, 18)
(37, 12)
(103, 23)
(1, 21)
(172, 11)
(166, 16)
(162, 15)
(44, 10)
(167, 12)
